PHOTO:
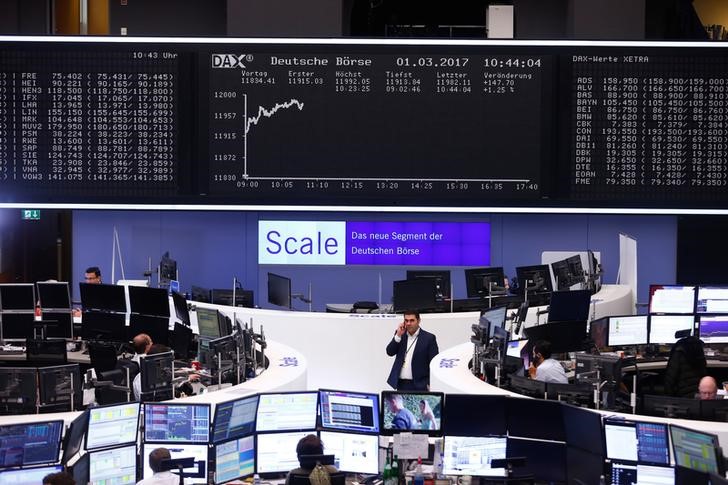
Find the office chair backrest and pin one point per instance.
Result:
(46, 352)
(338, 478)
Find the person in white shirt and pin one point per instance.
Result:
(543, 367)
(142, 343)
(161, 476)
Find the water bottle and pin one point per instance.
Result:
(439, 473)
(419, 477)
(256, 479)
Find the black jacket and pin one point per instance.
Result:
(685, 367)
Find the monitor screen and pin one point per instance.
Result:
(156, 327)
(440, 277)
(17, 325)
(535, 418)
(234, 419)
(417, 412)
(75, 436)
(695, 450)
(199, 294)
(287, 411)
(207, 322)
(54, 295)
(58, 324)
(672, 299)
(108, 327)
(17, 297)
(714, 329)
(279, 290)
(112, 425)
(495, 317)
(149, 301)
(636, 441)
(569, 306)
(276, 452)
(349, 411)
(243, 298)
(627, 330)
(546, 460)
(583, 429)
(60, 384)
(534, 279)
(419, 294)
(234, 459)
(181, 340)
(477, 414)
(354, 453)
(670, 406)
(156, 374)
(515, 348)
(599, 331)
(28, 476)
(568, 272)
(484, 282)
(18, 386)
(663, 327)
(465, 455)
(111, 298)
(30, 443)
(583, 467)
(196, 474)
(115, 465)
(177, 423)
(712, 299)
(180, 308)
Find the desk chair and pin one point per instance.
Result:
(46, 352)
(338, 478)
(102, 356)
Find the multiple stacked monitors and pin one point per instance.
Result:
(484, 282)
(416, 412)
(349, 411)
(30, 443)
(287, 411)
(112, 425)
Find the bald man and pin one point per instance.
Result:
(707, 389)
(142, 343)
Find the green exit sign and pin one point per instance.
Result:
(30, 214)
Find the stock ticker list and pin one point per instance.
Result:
(370, 125)
(649, 127)
(94, 123)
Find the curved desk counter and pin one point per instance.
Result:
(449, 373)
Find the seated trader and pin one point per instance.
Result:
(403, 417)
(685, 367)
(162, 475)
(707, 389)
(308, 445)
(60, 478)
(414, 348)
(543, 367)
(92, 275)
(141, 343)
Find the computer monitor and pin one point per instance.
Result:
(696, 450)
(181, 340)
(157, 372)
(713, 329)
(535, 419)
(54, 295)
(527, 387)
(234, 419)
(200, 294)
(583, 429)
(534, 279)
(208, 322)
(712, 299)
(279, 290)
(75, 436)
(181, 310)
(440, 277)
(582, 466)
(417, 294)
(515, 348)
(672, 299)
(670, 407)
(18, 389)
(287, 411)
(472, 455)
(545, 460)
(148, 301)
(243, 298)
(570, 306)
(636, 441)
(115, 465)
(57, 324)
(176, 423)
(46, 352)
(156, 327)
(17, 326)
(30, 443)
(477, 414)
(349, 411)
(484, 282)
(495, 317)
(564, 336)
(415, 412)
(714, 410)
(599, 332)
(354, 453)
(28, 476)
(59, 385)
(609, 367)
(663, 327)
(167, 269)
(568, 272)
(102, 297)
(276, 452)
(17, 297)
(107, 327)
(113, 425)
(196, 474)
(627, 330)
(234, 458)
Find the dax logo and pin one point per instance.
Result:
(228, 61)
(288, 362)
(448, 363)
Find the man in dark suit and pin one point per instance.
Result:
(414, 348)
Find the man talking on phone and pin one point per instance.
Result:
(413, 349)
